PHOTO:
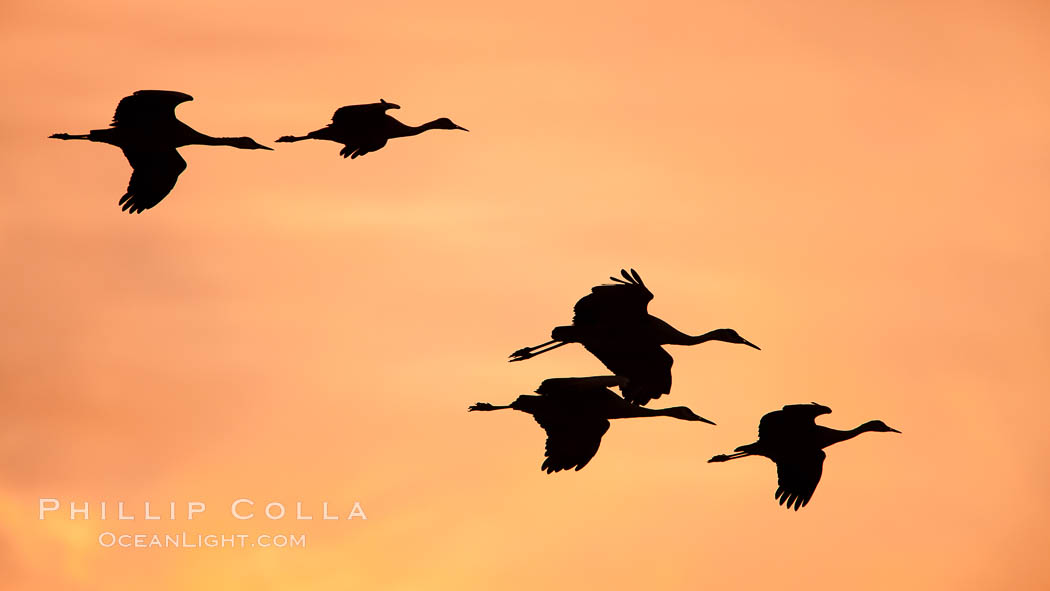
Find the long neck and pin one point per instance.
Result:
(703, 338)
(187, 136)
(410, 130)
(829, 436)
(666, 334)
(677, 337)
(207, 140)
(630, 411)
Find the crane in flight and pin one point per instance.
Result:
(145, 128)
(575, 413)
(613, 324)
(366, 128)
(792, 439)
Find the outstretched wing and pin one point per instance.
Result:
(555, 387)
(355, 115)
(623, 301)
(148, 107)
(365, 130)
(789, 421)
(797, 477)
(153, 177)
(571, 443)
(646, 368)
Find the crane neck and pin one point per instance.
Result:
(207, 140)
(677, 337)
(666, 334)
(410, 130)
(829, 436)
(630, 411)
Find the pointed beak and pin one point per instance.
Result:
(262, 147)
(707, 421)
(750, 344)
(894, 430)
(463, 128)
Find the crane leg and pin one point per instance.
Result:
(66, 136)
(486, 406)
(528, 352)
(725, 457)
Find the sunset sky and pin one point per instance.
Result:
(860, 188)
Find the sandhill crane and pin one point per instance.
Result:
(366, 128)
(612, 322)
(575, 413)
(792, 439)
(146, 129)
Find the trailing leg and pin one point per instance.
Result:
(529, 352)
(725, 457)
(66, 136)
(486, 406)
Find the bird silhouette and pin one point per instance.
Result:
(366, 128)
(612, 322)
(146, 129)
(792, 439)
(575, 413)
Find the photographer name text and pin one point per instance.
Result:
(242, 509)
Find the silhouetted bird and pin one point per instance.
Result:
(792, 439)
(366, 128)
(612, 323)
(575, 411)
(146, 129)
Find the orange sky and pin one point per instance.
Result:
(860, 190)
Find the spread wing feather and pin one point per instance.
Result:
(797, 477)
(357, 115)
(570, 443)
(646, 368)
(623, 301)
(148, 107)
(153, 177)
(590, 388)
(789, 421)
(364, 132)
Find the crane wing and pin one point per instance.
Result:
(624, 301)
(364, 132)
(797, 477)
(570, 386)
(646, 368)
(789, 421)
(356, 115)
(148, 107)
(153, 177)
(571, 441)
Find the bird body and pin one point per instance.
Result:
(613, 324)
(575, 413)
(791, 438)
(367, 128)
(145, 128)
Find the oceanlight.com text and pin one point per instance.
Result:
(185, 540)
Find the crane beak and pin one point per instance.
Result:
(750, 344)
(894, 430)
(707, 421)
(463, 128)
